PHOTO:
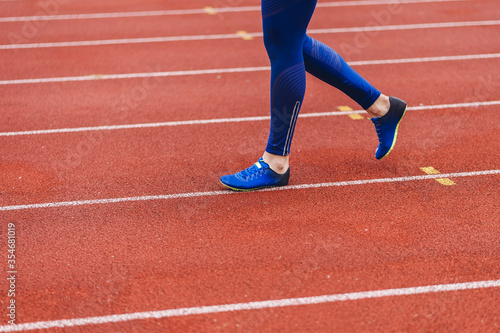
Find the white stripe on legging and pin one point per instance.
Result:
(288, 140)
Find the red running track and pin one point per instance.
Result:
(123, 258)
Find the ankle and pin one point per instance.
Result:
(380, 107)
(277, 163)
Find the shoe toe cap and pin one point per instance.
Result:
(226, 179)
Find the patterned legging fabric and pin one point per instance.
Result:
(292, 53)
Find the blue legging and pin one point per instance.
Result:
(292, 53)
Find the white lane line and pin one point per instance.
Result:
(96, 77)
(217, 193)
(146, 40)
(278, 303)
(232, 120)
(425, 59)
(204, 11)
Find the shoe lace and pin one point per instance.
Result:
(252, 172)
(377, 127)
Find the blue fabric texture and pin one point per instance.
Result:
(292, 53)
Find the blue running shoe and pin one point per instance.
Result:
(387, 127)
(256, 177)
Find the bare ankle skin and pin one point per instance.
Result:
(278, 163)
(380, 107)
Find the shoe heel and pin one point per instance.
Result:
(285, 179)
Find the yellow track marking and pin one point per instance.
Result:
(244, 35)
(446, 181)
(354, 116)
(430, 170)
(344, 108)
(210, 10)
(443, 181)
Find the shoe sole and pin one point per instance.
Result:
(395, 134)
(249, 189)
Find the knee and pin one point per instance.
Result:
(307, 43)
(281, 46)
(274, 41)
